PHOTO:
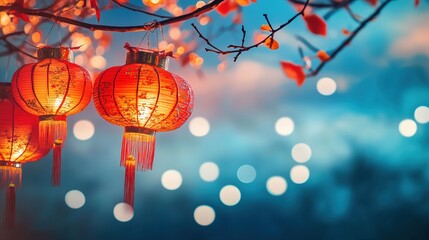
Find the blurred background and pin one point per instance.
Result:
(343, 157)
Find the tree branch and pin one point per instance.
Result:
(145, 27)
(350, 38)
(239, 49)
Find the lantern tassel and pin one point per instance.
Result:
(56, 166)
(51, 128)
(139, 145)
(9, 219)
(11, 173)
(129, 185)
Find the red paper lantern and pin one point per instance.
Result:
(145, 98)
(53, 88)
(19, 144)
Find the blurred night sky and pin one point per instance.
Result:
(367, 181)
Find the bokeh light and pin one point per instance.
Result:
(123, 212)
(83, 130)
(75, 199)
(299, 174)
(276, 185)
(407, 128)
(326, 86)
(98, 62)
(204, 215)
(421, 114)
(301, 152)
(171, 179)
(230, 195)
(199, 126)
(246, 174)
(209, 171)
(284, 126)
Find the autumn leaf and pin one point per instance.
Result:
(22, 16)
(294, 72)
(271, 43)
(416, 3)
(323, 56)
(372, 2)
(316, 24)
(345, 32)
(265, 27)
(226, 7)
(242, 3)
(94, 4)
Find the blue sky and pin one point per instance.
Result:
(366, 181)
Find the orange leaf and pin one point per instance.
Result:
(345, 31)
(265, 27)
(316, 24)
(23, 16)
(293, 71)
(372, 2)
(242, 3)
(238, 18)
(226, 7)
(323, 56)
(271, 44)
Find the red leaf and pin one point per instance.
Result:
(416, 3)
(316, 24)
(23, 16)
(94, 4)
(226, 7)
(293, 71)
(372, 2)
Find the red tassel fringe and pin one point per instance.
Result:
(141, 146)
(56, 166)
(9, 220)
(10, 174)
(50, 131)
(129, 185)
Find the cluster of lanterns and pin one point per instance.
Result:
(142, 96)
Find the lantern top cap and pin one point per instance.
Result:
(147, 56)
(62, 53)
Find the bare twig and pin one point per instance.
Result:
(239, 49)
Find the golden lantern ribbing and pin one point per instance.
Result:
(145, 98)
(19, 144)
(53, 88)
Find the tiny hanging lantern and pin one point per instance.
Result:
(19, 144)
(53, 88)
(145, 98)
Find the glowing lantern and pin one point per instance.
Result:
(53, 88)
(145, 98)
(18, 145)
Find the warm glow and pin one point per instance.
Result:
(301, 152)
(204, 215)
(123, 212)
(284, 126)
(4, 18)
(326, 86)
(175, 33)
(199, 126)
(75, 199)
(200, 4)
(204, 20)
(276, 185)
(98, 34)
(299, 174)
(171, 179)
(421, 114)
(36, 37)
(83, 130)
(180, 50)
(209, 171)
(230, 195)
(407, 128)
(98, 62)
(221, 66)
